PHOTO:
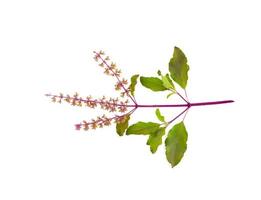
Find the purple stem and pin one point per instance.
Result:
(178, 115)
(154, 105)
(186, 94)
(182, 105)
(182, 97)
(188, 106)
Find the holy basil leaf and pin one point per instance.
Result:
(170, 94)
(153, 83)
(159, 115)
(142, 128)
(176, 143)
(121, 127)
(178, 68)
(167, 82)
(133, 83)
(155, 139)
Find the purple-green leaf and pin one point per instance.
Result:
(167, 82)
(155, 139)
(142, 128)
(121, 127)
(178, 68)
(133, 83)
(152, 83)
(176, 143)
(159, 115)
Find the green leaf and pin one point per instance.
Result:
(159, 115)
(178, 68)
(170, 94)
(121, 127)
(167, 82)
(155, 139)
(142, 128)
(176, 143)
(153, 83)
(133, 83)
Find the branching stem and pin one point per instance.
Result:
(182, 97)
(178, 115)
(188, 106)
(181, 105)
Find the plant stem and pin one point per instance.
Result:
(186, 95)
(178, 115)
(182, 97)
(188, 106)
(185, 115)
(181, 105)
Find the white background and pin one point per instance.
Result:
(46, 46)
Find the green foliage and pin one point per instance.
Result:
(178, 68)
(142, 128)
(170, 94)
(121, 127)
(159, 115)
(133, 83)
(176, 143)
(167, 82)
(155, 139)
(152, 83)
